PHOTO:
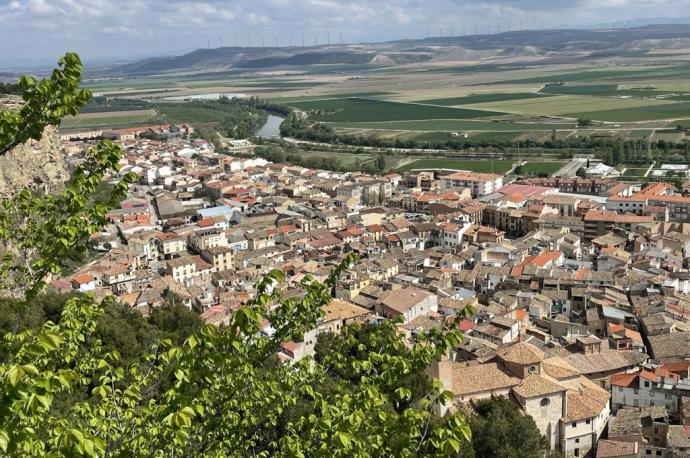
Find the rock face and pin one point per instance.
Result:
(37, 165)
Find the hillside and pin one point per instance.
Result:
(528, 43)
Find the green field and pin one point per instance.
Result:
(495, 136)
(454, 125)
(635, 172)
(482, 98)
(363, 110)
(535, 168)
(111, 119)
(648, 113)
(483, 166)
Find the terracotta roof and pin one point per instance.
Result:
(586, 402)
(83, 278)
(468, 380)
(537, 385)
(404, 300)
(612, 449)
(559, 368)
(521, 353)
(623, 379)
(341, 310)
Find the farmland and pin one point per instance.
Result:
(369, 110)
(107, 119)
(482, 166)
(536, 168)
(487, 96)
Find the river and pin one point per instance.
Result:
(272, 127)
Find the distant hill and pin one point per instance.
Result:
(526, 43)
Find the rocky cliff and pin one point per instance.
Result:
(35, 164)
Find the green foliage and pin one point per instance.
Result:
(581, 173)
(500, 429)
(81, 384)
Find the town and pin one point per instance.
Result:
(577, 286)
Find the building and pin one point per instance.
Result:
(479, 184)
(408, 303)
(568, 409)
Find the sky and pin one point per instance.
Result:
(40, 30)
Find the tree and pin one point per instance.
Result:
(65, 391)
(500, 429)
(581, 172)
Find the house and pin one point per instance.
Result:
(408, 303)
(84, 283)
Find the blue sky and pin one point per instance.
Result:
(100, 29)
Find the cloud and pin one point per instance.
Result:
(102, 28)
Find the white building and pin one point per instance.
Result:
(479, 184)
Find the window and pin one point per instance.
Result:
(647, 452)
(588, 421)
(544, 402)
(532, 369)
(574, 425)
(576, 452)
(577, 441)
(646, 384)
(658, 453)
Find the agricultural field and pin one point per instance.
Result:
(479, 165)
(536, 168)
(108, 119)
(502, 98)
(369, 110)
(455, 125)
(566, 105)
(482, 98)
(634, 172)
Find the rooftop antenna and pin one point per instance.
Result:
(303, 40)
(276, 42)
(328, 38)
(249, 40)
